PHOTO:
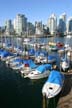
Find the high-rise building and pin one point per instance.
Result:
(20, 24)
(38, 28)
(62, 23)
(52, 23)
(69, 25)
(30, 28)
(8, 27)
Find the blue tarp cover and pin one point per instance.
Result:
(50, 57)
(43, 68)
(37, 53)
(32, 64)
(25, 62)
(18, 60)
(56, 77)
(31, 52)
(1, 50)
(5, 53)
(44, 53)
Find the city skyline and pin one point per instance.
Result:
(34, 10)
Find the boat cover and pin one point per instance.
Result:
(1, 50)
(56, 77)
(37, 53)
(44, 53)
(18, 60)
(32, 64)
(50, 57)
(31, 52)
(42, 68)
(5, 53)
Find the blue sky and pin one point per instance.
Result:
(34, 9)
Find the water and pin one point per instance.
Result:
(17, 92)
(65, 40)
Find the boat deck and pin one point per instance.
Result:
(65, 100)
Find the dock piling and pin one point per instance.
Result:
(45, 101)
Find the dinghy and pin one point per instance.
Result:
(53, 85)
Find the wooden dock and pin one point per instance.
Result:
(65, 100)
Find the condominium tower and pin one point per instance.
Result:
(52, 24)
(69, 25)
(38, 28)
(8, 27)
(20, 24)
(62, 23)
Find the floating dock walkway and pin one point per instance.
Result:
(65, 100)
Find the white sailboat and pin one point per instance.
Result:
(40, 72)
(65, 63)
(65, 66)
(68, 36)
(53, 85)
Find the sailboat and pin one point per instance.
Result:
(41, 71)
(65, 63)
(53, 85)
(68, 36)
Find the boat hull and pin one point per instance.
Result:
(38, 76)
(65, 66)
(51, 90)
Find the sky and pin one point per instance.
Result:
(34, 10)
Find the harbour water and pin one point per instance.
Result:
(17, 92)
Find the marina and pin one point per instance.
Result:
(35, 54)
(17, 91)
